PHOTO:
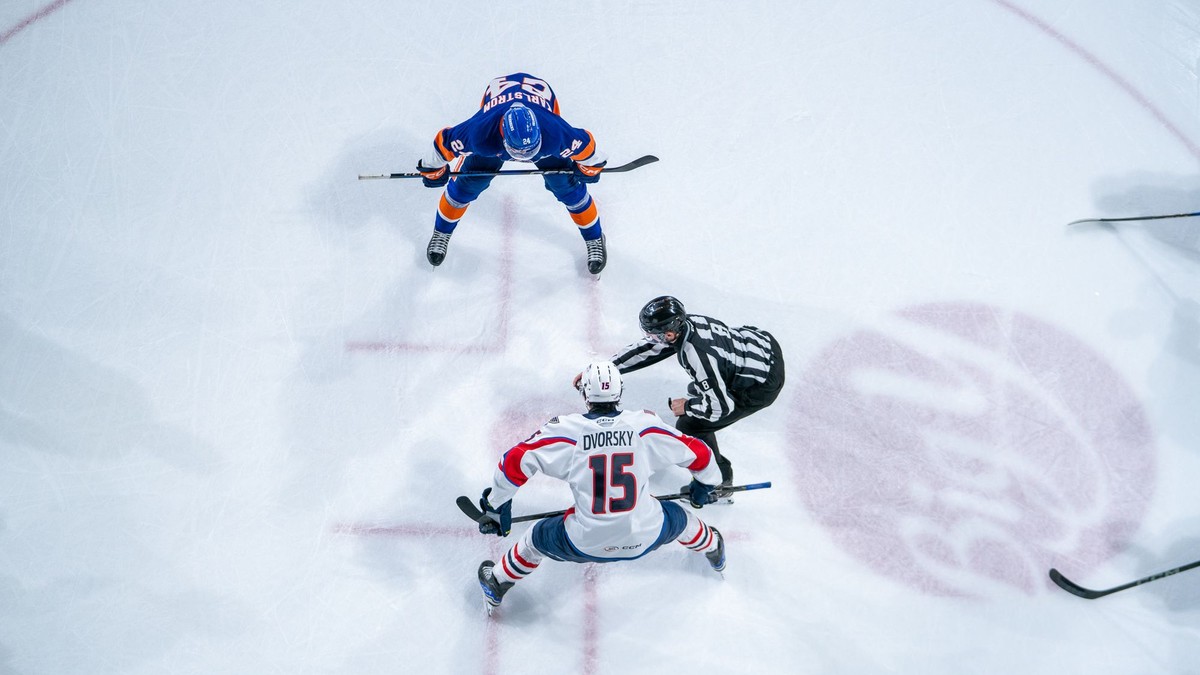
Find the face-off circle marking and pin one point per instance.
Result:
(964, 450)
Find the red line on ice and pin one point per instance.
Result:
(591, 626)
(594, 309)
(1106, 70)
(27, 21)
(491, 647)
(406, 530)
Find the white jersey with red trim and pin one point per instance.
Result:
(608, 459)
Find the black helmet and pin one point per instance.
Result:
(663, 314)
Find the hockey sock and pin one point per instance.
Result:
(449, 212)
(698, 536)
(520, 561)
(586, 217)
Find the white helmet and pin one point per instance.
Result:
(601, 383)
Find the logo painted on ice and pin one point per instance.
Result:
(964, 450)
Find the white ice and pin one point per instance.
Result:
(236, 404)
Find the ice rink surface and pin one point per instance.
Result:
(236, 404)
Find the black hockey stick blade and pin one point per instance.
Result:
(628, 166)
(468, 507)
(1131, 218)
(1075, 589)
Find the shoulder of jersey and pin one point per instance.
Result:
(645, 417)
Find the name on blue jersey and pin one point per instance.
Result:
(525, 96)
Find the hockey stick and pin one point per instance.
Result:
(468, 507)
(1075, 589)
(1121, 220)
(640, 161)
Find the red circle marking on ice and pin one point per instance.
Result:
(969, 449)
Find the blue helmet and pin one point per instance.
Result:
(522, 136)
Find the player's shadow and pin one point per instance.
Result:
(1145, 193)
(1169, 251)
(343, 202)
(58, 402)
(1179, 592)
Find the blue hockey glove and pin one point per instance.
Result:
(588, 174)
(501, 517)
(434, 178)
(700, 494)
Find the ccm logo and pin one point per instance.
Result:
(621, 548)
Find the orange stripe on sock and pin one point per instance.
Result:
(587, 217)
(449, 211)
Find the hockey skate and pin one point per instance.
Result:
(597, 254)
(436, 250)
(493, 591)
(717, 558)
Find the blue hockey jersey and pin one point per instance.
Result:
(480, 135)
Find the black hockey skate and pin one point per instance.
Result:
(717, 558)
(436, 250)
(597, 254)
(493, 591)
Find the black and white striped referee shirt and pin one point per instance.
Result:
(719, 359)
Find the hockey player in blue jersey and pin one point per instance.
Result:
(607, 456)
(518, 120)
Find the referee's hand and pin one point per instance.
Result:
(678, 406)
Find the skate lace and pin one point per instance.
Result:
(439, 243)
(595, 249)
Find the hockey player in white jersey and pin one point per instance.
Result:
(607, 455)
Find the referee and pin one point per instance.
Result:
(735, 371)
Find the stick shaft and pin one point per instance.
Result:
(678, 495)
(1122, 220)
(629, 166)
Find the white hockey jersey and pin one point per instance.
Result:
(608, 459)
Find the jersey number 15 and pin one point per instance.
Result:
(607, 474)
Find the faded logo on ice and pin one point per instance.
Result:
(964, 450)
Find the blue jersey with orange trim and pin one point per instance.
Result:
(480, 135)
(607, 459)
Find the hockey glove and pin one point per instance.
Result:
(501, 523)
(588, 174)
(434, 178)
(700, 494)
